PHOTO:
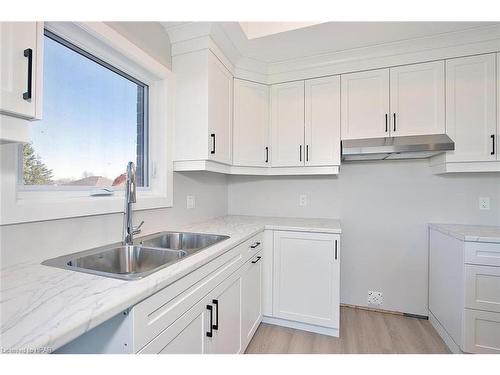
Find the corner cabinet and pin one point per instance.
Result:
(204, 108)
(21, 45)
(306, 281)
(251, 124)
(471, 115)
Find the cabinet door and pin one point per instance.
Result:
(417, 99)
(251, 124)
(187, 335)
(226, 302)
(322, 121)
(220, 104)
(287, 124)
(251, 298)
(471, 107)
(307, 277)
(365, 104)
(15, 39)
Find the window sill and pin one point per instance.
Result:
(35, 209)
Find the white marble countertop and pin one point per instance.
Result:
(473, 233)
(43, 308)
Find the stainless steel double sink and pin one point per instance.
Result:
(130, 262)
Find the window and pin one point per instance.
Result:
(94, 123)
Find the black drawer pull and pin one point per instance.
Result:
(394, 121)
(29, 54)
(267, 154)
(210, 333)
(256, 260)
(300, 153)
(213, 143)
(216, 325)
(254, 245)
(493, 144)
(335, 249)
(386, 123)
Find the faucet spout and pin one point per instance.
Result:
(130, 197)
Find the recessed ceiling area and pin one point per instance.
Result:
(333, 37)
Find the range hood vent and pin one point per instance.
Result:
(392, 148)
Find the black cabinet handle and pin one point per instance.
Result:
(300, 153)
(213, 143)
(267, 154)
(254, 245)
(307, 152)
(493, 144)
(386, 123)
(210, 308)
(216, 325)
(256, 260)
(394, 116)
(335, 249)
(29, 54)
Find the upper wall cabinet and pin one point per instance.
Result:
(417, 99)
(203, 108)
(21, 58)
(322, 121)
(251, 124)
(406, 100)
(287, 124)
(471, 116)
(365, 104)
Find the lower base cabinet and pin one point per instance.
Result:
(251, 298)
(306, 281)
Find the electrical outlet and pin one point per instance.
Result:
(375, 298)
(302, 200)
(190, 202)
(484, 203)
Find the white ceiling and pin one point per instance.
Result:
(254, 30)
(335, 36)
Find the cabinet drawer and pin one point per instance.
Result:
(482, 287)
(252, 246)
(482, 332)
(483, 253)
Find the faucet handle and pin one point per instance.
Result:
(137, 229)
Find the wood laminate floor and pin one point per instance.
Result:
(361, 332)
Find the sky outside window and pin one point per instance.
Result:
(90, 114)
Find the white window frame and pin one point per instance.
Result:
(25, 205)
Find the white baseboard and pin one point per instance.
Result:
(450, 343)
(302, 326)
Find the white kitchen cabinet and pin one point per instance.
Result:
(21, 67)
(464, 292)
(226, 332)
(220, 110)
(365, 104)
(251, 124)
(417, 99)
(203, 126)
(471, 107)
(322, 121)
(287, 124)
(251, 298)
(306, 287)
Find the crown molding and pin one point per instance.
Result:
(193, 36)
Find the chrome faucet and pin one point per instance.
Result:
(130, 197)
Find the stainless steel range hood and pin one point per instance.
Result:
(391, 148)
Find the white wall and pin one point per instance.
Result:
(42, 240)
(384, 208)
(149, 36)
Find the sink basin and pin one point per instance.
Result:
(121, 262)
(186, 241)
